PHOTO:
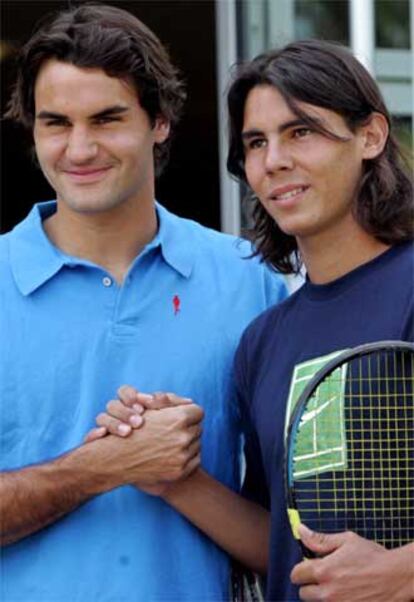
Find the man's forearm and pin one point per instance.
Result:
(165, 449)
(238, 526)
(36, 496)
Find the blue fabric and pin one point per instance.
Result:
(67, 343)
(373, 302)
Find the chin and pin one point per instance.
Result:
(291, 229)
(297, 227)
(90, 205)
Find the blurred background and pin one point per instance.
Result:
(206, 37)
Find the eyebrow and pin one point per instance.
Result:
(108, 112)
(252, 133)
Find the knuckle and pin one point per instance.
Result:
(101, 419)
(121, 390)
(319, 538)
(196, 412)
(320, 570)
(184, 439)
(160, 399)
(181, 414)
(126, 394)
(182, 459)
(176, 473)
(111, 405)
(328, 594)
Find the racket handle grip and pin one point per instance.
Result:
(295, 521)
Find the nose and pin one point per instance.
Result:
(278, 156)
(81, 146)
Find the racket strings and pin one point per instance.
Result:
(354, 457)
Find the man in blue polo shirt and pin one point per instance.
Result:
(99, 288)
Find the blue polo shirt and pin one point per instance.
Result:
(70, 336)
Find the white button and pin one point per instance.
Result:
(106, 281)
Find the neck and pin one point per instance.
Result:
(334, 254)
(111, 239)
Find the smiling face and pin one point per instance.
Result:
(305, 180)
(93, 140)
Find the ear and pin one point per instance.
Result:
(161, 129)
(374, 136)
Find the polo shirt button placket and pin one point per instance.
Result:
(106, 281)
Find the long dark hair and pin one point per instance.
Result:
(105, 37)
(324, 74)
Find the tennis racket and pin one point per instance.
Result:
(350, 446)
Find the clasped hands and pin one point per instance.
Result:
(154, 441)
(167, 446)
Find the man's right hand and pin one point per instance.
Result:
(164, 450)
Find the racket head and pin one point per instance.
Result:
(348, 482)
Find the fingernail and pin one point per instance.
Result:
(135, 420)
(144, 396)
(138, 408)
(304, 530)
(124, 429)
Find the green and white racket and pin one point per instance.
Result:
(350, 446)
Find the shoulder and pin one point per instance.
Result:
(393, 275)
(406, 256)
(398, 260)
(4, 250)
(202, 238)
(214, 241)
(228, 257)
(7, 282)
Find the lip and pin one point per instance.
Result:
(287, 195)
(87, 176)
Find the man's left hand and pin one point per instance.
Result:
(351, 568)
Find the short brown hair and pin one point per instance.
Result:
(102, 36)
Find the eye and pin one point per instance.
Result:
(106, 119)
(256, 143)
(56, 123)
(301, 132)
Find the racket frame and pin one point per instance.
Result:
(308, 391)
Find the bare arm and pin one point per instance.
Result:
(237, 525)
(165, 449)
(34, 497)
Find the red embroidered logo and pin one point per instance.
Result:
(176, 303)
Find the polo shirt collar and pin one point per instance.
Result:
(175, 239)
(35, 260)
